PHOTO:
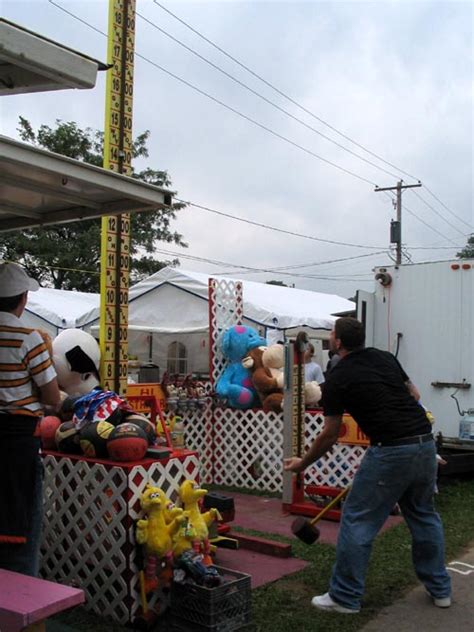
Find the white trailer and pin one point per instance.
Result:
(424, 314)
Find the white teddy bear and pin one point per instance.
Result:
(273, 358)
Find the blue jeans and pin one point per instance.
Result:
(387, 475)
(24, 558)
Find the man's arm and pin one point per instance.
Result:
(323, 442)
(50, 395)
(414, 392)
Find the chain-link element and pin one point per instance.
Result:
(226, 308)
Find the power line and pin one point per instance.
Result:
(470, 226)
(261, 96)
(262, 127)
(304, 236)
(247, 268)
(254, 122)
(226, 106)
(411, 212)
(328, 261)
(294, 102)
(405, 208)
(76, 17)
(437, 213)
(274, 228)
(280, 92)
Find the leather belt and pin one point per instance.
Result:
(405, 440)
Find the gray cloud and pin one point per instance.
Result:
(395, 76)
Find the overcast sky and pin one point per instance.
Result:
(395, 77)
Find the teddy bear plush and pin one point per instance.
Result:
(235, 384)
(273, 358)
(268, 384)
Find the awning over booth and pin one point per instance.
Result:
(38, 187)
(30, 62)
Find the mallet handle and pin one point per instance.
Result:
(329, 506)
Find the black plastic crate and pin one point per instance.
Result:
(224, 504)
(221, 609)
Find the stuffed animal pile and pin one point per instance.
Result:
(235, 385)
(266, 365)
(91, 421)
(176, 536)
(254, 375)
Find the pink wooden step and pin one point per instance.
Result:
(25, 600)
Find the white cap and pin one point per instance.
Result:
(14, 280)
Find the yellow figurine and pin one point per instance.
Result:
(184, 539)
(190, 493)
(171, 511)
(154, 533)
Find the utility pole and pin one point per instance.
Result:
(396, 225)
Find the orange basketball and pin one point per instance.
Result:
(127, 442)
(48, 427)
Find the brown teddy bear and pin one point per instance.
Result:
(269, 387)
(273, 358)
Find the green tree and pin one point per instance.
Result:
(468, 251)
(274, 282)
(67, 256)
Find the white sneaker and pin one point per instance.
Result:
(441, 602)
(326, 602)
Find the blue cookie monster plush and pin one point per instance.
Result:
(235, 384)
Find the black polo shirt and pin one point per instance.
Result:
(370, 385)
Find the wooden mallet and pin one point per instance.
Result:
(305, 529)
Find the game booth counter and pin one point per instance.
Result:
(94, 504)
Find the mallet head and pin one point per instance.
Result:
(304, 530)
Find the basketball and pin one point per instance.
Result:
(116, 418)
(127, 442)
(144, 423)
(67, 438)
(47, 429)
(93, 438)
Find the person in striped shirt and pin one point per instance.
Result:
(27, 383)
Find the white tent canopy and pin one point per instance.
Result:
(174, 304)
(55, 310)
(266, 305)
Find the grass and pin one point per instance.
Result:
(285, 604)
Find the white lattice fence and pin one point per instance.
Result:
(198, 436)
(245, 449)
(338, 467)
(226, 308)
(90, 512)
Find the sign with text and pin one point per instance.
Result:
(115, 236)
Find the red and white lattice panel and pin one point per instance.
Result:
(90, 511)
(245, 449)
(226, 308)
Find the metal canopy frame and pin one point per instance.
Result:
(39, 188)
(30, 62)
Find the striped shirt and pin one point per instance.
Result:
(25, 365)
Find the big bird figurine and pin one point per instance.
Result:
(190, 494)
(154, 533)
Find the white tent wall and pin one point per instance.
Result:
(196, 345)
(33, 321)
(54, 310)
(172, 306)
(169, 308)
